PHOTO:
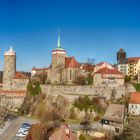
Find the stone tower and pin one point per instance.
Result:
(58, 55)
(9, 69)
(121, 56)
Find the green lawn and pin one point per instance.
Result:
(137, 87)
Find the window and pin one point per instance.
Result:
(117, 130)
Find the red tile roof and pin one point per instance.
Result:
(20, 75)
(135, 98)
(61, 134)
(100, 64)
(133, 60)
(108, 71)
(70, 62)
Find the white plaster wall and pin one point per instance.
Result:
(134, 109)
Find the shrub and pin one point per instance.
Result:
(97, 118)
(137, 87)
(81, 137)
(72, 114)
(80, 80)
(33, 88)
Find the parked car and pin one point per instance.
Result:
(23, 130)
(20, 134)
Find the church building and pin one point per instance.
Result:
(63, 69)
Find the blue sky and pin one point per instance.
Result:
(89, 29)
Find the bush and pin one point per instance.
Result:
(97, 118)
(127, 78)
(81, 137)
(137, 87)
(72, 114)
(33, 88)
(80, 80)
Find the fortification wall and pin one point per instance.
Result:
(72, 92)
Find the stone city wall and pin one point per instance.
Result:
(72, 92)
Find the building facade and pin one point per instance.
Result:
(124, 68)
(114, 118)
(102, 65)
(133, 66)
(110, 77)
(134, 104)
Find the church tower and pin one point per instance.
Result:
(9, 69)
(121, 56)
(58, 55)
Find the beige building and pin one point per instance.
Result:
(20, 81)
(134, 104)
(133, 66)
(114, 118)
(110, 77)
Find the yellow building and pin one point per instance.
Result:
(133, 66)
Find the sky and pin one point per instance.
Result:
(89, 29)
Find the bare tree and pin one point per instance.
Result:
(90, 61)
(60, 69)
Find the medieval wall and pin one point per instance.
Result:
(20, 84)
(72, 92)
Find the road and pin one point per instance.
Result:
(76, 127)
(10, 132)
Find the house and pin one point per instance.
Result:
(110, 77)
(102, 65)
(134, 104)
(20, 81)
(114, 118)
(133, 66)
(123, 68)
(64, 132)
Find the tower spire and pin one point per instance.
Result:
(59, 42)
